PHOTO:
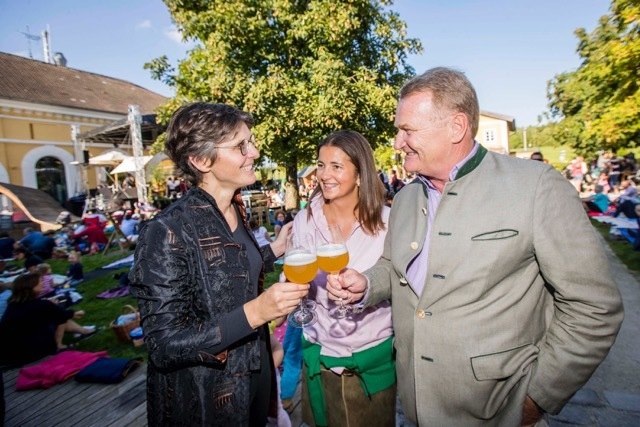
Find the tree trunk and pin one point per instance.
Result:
(291, 197)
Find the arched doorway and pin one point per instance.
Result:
(50, 178)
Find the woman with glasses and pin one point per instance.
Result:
(198, 280)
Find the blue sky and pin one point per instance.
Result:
(508, 48)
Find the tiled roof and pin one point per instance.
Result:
(28, 80)
(511, 122)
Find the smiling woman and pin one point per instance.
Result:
(198, 280)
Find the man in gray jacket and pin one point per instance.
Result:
(503, 303)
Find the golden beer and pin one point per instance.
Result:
(332, 257)
(300, 267)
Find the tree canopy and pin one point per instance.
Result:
(599, 103)
(303, 68)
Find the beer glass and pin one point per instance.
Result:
(301, 266)
(333, 256)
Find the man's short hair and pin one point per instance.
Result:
(536, 155)
(451, 91)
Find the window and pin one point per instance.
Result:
(489, 136)
(50, 178)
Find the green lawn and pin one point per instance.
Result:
(622, 248)
(100, 312)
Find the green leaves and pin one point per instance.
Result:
(304, 68)
(599, 103)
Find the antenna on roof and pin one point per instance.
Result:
(46, 46)
(30, 37)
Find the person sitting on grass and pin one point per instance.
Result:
(260, 233)
(31, 261)
(6, 245)
(33, 328)
(597, 202)
(48, 288)
(279, 222)
(75, 273)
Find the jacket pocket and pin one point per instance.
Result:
(503, 364)
(506, 233)
(498, 375)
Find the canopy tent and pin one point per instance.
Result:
(108, 158)
(128, 165)
(138, 130)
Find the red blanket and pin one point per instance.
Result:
(56, 369)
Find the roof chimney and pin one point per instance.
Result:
(59, 59)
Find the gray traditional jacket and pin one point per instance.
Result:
(518, 297)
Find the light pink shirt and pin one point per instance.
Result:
(417, 269)
(341, 337)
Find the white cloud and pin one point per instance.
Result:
(143, 24)
(172, 33)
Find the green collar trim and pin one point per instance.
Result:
(472, 163)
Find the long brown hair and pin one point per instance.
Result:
(368, 210)
(23, 288)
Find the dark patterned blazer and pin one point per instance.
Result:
(188, 274)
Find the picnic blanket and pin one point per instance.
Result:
(124, 262)
(117, 292)
(56, 369)
(618, 222)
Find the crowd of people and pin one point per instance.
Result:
(439, 266)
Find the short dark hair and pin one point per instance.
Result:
(536, 155)
(451, 90)
(23, 288)
(194, 131)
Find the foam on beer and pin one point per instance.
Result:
(331, 250)
(299, 258)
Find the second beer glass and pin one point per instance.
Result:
(333, 256)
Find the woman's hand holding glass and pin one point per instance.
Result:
(275, 302)
(333, 256)
(301, 266)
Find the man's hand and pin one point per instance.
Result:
(348, 286)
(531, 412)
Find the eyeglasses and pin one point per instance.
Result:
(243, 145)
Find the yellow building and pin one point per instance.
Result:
(40, 103)
(493, 131)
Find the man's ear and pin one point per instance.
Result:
(203, 165)
(458, 128)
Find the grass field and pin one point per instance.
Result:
(622, 248)
(101, 312)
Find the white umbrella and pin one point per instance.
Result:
(128, 165)
(108, 158)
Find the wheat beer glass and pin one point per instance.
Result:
(333, 256)
(301, 266)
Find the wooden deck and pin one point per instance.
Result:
(73, 403)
